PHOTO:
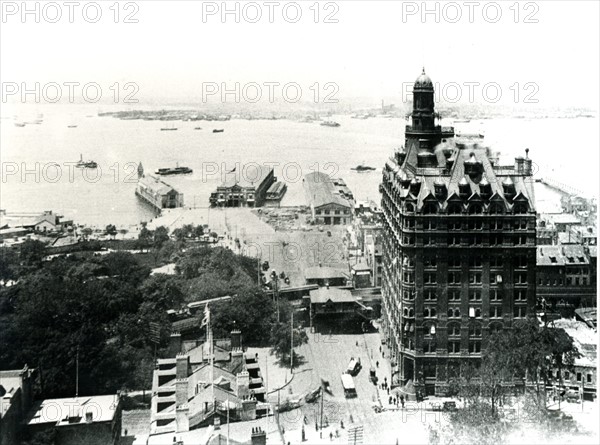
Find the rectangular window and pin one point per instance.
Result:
(474, 347)
(455, 225)
(475, 295)
(495, 311)
(520, 295)
(430, 225)
(430, 262)
(430, 295)
(430, 278)
(495, 295)
(475, 277)
(454, 295)
(589, 377)
(496, 261)
(578, 375)
(454, 240)
(567, 376)
(520, 311)
(454, 347)
(475, 225)
(475, 261)
(453, 277)
(454, 262)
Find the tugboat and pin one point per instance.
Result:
(218, 131)
(330, 124)
(85, 164)
(174, 171)
(363, 168)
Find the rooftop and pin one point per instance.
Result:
(321, 190)
(250, 176)
(335, 294)
(323, 273)
(70, 411)
(155, 185)
(584, 338)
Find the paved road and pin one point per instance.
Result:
(328, 356)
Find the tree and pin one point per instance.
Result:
(144, 238)
(111, 230)
(32, 252)
(281, 335)
(9, 264)
(123, 232)
(86, 232)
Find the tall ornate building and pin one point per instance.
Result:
(459, 253)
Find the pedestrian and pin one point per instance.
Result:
(388, 389)
(316, 426)
(341, 424)
(383, 354)
(390, 400)
(356, 342)
(380, 349)
(377, 363)
(402, 401)
(330, 436)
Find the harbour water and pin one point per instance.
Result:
(37, 172)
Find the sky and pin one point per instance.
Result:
(177, 49)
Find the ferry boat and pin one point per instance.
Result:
(363, 168)
(85, 164)
(174, 171)
(330, 124)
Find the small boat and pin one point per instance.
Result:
(363, 168)
(174, 171)
(168, 129)
(85, 164)
(71, 126)
(330, 124)
(462, 121)
(218, 131)
(197, 128)
(19, 124)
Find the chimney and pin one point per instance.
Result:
(236, 340)
(249, 409)
(242, 381)
(174, 344)
(182, 366)
(181, 391)
(217, 423)
(519, 165)
(259, 437)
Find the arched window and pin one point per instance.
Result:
(411, 312)
(430, 208)
(496, 209)
(454, 312)
(475, 209)
(454, 209)
(520, 208)
(409, 207)
(454, 329)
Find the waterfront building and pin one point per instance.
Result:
(331, 202)
(246, 187)
(275, 194)
(459, 249)
(566, 276)
(90, 420)
(156, 192)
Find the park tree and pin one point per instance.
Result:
(111, 230)
(282, 333)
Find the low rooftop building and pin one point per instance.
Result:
(330, 200)
(90, 420)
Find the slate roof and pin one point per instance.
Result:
(321, 190)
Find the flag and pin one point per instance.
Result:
(206, 318)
